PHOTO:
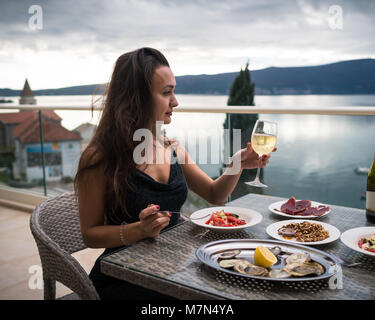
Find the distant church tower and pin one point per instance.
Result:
(27, 96)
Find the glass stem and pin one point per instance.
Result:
(258, 172)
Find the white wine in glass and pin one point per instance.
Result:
(263, 141)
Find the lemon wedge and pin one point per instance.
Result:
(264, 257)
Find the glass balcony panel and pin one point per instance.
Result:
(317, 158)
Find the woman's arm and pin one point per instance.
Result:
(245, 158)
(91, 190)
(217, 191)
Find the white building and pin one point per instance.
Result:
(61, 160)
(20, 135)
(62, 149)
(86, 130)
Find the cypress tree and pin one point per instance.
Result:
(241, 94)
(242, 89)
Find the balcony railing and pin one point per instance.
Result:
(322, 110)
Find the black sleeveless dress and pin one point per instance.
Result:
(170, 196)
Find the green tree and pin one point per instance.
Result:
(242, 94)
(242, 89)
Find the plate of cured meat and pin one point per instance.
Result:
(299, 208)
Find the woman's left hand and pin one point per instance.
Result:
(251, 160)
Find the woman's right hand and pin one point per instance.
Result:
(152, 221)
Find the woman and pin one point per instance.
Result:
(120, 199)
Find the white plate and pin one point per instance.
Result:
(277, 205)
(351, 237)
(251, 217)
(334, 233)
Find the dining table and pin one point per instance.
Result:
(168, 264)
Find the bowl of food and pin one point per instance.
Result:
(226, 219)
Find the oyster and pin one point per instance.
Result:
(229, 254)
(276, 251)
(298, 269)
(245, 267)
(256, 271)
(240, 265)
(319, 268)
(229, 263)
(279, 274)
(300, 257)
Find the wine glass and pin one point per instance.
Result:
(263, 141)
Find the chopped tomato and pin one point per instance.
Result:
(209, 220)
(224, 219)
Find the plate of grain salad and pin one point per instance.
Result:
(306, 232)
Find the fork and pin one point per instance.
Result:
(345, 263)
(187, 216)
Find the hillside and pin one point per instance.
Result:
(346, 77)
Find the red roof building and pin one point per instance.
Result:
(18, 117)
(24, 126)
(20, 135)
(29, 131)
(20, 138)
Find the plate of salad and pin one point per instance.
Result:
(360, 239)
(227, 219)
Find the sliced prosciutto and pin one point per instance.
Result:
(289, 206)
(316, 211)
(302, 205)
(294, 207)
(303, 208)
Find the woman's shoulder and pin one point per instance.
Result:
(90, 168)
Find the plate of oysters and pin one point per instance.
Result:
(268, 260)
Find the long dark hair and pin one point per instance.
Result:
(127, 108)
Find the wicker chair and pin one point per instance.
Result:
(56, 230)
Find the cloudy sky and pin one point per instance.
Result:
(78, 41)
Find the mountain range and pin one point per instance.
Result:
(345, 77)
